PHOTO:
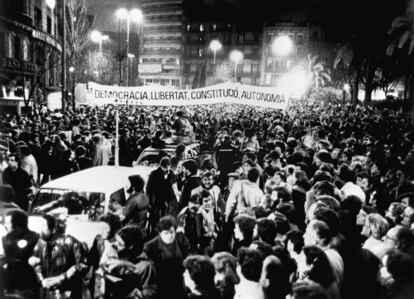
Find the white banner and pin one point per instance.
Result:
(229, 93)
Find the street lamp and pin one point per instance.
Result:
(130, 58)
(52, 4)
(282, 45)
(215, 46)
(236, 56)
(134, 15)
(97, 37)
(72, 71)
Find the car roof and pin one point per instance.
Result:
(104, 179)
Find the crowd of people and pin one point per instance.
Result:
(310, 202)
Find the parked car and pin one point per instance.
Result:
(84, 196)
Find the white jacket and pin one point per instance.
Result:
(244, 194)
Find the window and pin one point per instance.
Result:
(25, 48)
(38, 18)
(254, 68)
(268, 79)
(247, 68)
(201, 28)
(240, 38)
(186, 68)
(315, 35)
(49, 25)
(200, 52)
(17, 48)
(300, 39)
(227, 38)
(201, 38)
(188, 27)
(9, 45)
(269, 64)
(163, 81)
(239, 68)
(214, 27)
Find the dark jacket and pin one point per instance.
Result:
(18, 274)
(58, 256)
(160, 193)
(168, 260)
(84, 162)
(136, 209)
(21, 183)
(138, 279)
(190, 183)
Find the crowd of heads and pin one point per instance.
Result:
(311, 202)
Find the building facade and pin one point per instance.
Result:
(29, 51)
(306, 39)
(160, 57)
(201, 66)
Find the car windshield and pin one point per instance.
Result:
(47, 200)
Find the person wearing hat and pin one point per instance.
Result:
(137, 205)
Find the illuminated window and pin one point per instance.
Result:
(201, 27)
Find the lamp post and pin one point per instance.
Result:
(215, 46)
(134, 15)
(346, 88)
(51, 4)
(72, 71)
(236, 56)
(130, 59)
(97, 37)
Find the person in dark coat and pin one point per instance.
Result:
(60, 260)
(17, 275)
(192, 181)
(135, 273)
(137, 205)
(19, 179)
(83, 161)
(160, 191)
(168, 251)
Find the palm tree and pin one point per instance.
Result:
(402, 29)
(320, 75)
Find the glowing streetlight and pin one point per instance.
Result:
(215, 46)
(282, 46)
(295, 83)
(51, 3)
(72, 69)
(236, 56)
(134, 15)
(97, 37)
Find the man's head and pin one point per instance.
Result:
(199, 273)
(253, 175)
(166, 228)
(16, 220)
(375, 226)
(206, 200)
(51, 227)
(136, 183)
(165, 164)
(129, 241)
(194, 202)
(207, 179)
(244, 226)
(317, 233)
(13, 161)
(250, 263)
(266, 230)
(190, 167)
(408, 217)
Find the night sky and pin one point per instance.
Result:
(336, 14)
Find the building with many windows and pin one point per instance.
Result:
(200, 67)
(161, 51)
(29, 51)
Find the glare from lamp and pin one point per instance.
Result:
(282, 46)
(135, 15)
(121, 14)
